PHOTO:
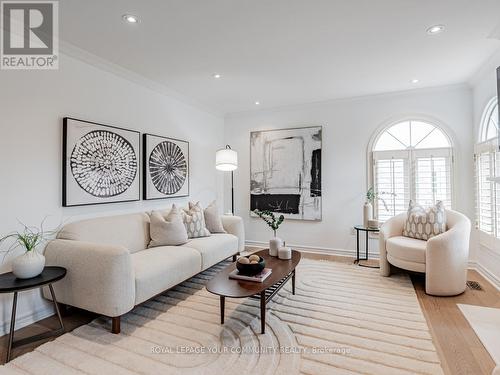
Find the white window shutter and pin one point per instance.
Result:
(391, 182)
(432, 176)
(486, 189)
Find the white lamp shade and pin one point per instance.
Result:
(226, 160)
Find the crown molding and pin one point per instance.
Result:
(488, 67)
(75, 52)
(409, 92)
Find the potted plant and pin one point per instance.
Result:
(32, 262)
(274, 223)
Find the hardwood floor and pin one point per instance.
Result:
(459, 348)
(74, 318)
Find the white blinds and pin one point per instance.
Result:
(485, 196)
(432, 177)
(391, 177)
(487, 161)
(421, 175)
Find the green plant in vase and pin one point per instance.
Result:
(372, 197)
(32, 262)
(274, 222)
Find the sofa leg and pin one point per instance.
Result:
(115, 324)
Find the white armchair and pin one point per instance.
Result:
(442, 258)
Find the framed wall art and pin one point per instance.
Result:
(100, 163)
(166, 167)
(285, 172)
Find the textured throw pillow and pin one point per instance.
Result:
(212, 219)
(424, 223)
(167, 231)
(194, 221)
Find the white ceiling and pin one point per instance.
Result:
(284, 52)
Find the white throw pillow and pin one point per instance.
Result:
(212, 219)
(194, 221)
(425, 223)
(167, 231)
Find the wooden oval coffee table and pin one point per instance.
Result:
(282, 271)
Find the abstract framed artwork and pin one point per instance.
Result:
(285, 172)
(100, 163)
(166, 167)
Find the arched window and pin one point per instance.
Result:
(411, 160)
(487, 162)
(489, 121)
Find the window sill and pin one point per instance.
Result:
(489, 241)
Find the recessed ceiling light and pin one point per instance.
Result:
(414, 80)
(436, 29)
(217, 75)
(257, 103)
(130, 18)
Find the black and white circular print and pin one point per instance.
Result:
(103, 163)
(167, 167)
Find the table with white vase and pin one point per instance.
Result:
(367, 230)
(10, 283)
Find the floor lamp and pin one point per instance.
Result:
(227, 160)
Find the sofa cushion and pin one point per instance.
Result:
(215, 248)
(213, 221)
(130, 231)
(194, 220)
(405, 248)
(167, 230)
(160, 268)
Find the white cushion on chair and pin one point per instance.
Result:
(408, 249)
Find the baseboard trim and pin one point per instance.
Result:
(316, 249)
(486, 273)
(27, 319)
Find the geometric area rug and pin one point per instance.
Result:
(343, 319)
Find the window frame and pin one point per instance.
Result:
(417, 118)
(488, 147)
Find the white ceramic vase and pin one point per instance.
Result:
(274, 244)
(28, 265)
(367, 213)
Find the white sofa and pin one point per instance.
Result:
(111, 270)
(442, 258)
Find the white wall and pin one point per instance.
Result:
(32, 105)
(484, 88)
(348, 126)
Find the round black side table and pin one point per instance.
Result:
(362, 228)
(11, 284)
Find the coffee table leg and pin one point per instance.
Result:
(222, 303)
(293, 282)
(263, 312)
(12, 325)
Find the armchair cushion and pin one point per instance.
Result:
(405, 248)
(424, 223)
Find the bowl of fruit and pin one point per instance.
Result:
(250, 265)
